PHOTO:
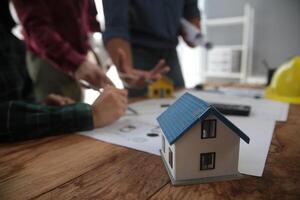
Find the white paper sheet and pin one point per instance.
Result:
(253, 156)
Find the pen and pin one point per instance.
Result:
(86, 85)
(100, 90)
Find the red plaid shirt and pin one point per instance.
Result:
(57, 30)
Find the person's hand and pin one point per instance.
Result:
(57, 100)
(134, 78)
(190, 44)
(196, 22)
(109, 106)
(93, 74)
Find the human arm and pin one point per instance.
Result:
(37, 23)
(191, 10)
(94, 25)
(192, 14)
(120, 52)
(43, 38)
(20, 120)
(117, 41)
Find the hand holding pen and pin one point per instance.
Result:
(109, 106)
(101, 91)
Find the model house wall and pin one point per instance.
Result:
(190, 146)
(165, 150)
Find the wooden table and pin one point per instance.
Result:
(78, 167)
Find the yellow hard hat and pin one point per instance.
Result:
(285, 84)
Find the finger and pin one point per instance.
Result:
(100, 80)
(123, 100)
(127, 77)
(54, 100)
(165, 70)
(122, 60)
(120, 92)
(140, 83)
(123, 93)
(161, 63)
(157, 76)
(61, 101)
(124, 105)
(108, 87)
(108, 81)
(112, 90)
(136, 83)
(64, 102)
(68, 101)
(121, 103)
(92, 79)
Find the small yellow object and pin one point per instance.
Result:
(285, 84)
(162, 88)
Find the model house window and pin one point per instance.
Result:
(209, 128)
(155, 92)
(168, 92)
(207, 161)
(170, 158)
(163, 144)
(161, 92)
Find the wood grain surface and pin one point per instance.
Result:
(77, 167)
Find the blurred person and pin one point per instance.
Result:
(145, 34)
(57, 37)
(12, 54)
(21, 118)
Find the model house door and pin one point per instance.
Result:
(161, 93)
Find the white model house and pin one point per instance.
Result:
(199, 144)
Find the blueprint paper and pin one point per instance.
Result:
(242, 92)
(130, 132)
(153, 106)
(252, 156)
(259, 126)
(259, 107)
(263, 108)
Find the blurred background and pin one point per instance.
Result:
(249, 37)
(245, 33)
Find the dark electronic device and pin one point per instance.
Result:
(233, 109)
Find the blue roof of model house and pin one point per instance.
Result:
(185, 112)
